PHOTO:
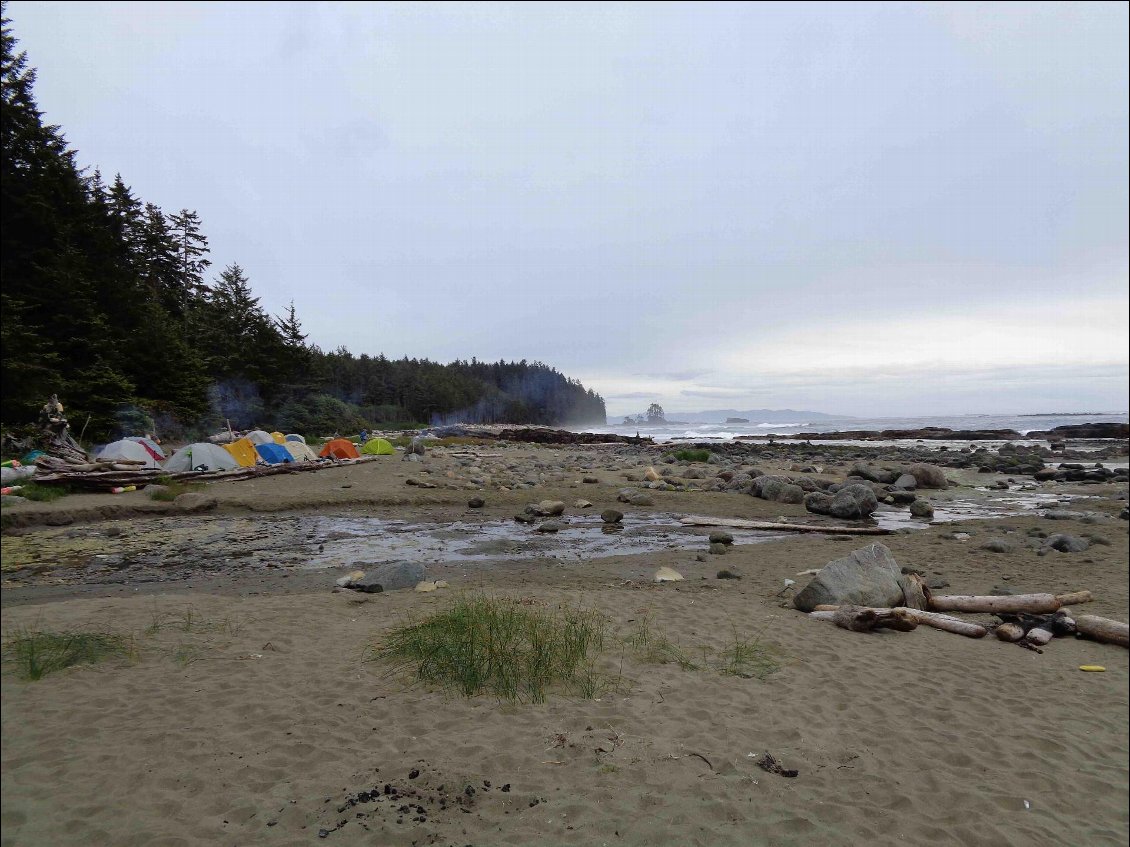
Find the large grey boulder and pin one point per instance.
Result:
(928, 476)
(873, 473)
(906, 482)
(779, 489)
(390, 577)
(869, 576)
(852, 502)
(1065, 543)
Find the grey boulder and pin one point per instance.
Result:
(390, 577)
(865, 577)
(928, 476)
(851, 502)
(1067, 543)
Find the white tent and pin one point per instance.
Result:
(153, 446)
(300, 452)
(258, 436)
(129, 451)
(211, 457)
(295, 437)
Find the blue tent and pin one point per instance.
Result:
(273, 454)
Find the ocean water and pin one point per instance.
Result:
(727, 432)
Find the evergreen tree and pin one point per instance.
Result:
(192, 250)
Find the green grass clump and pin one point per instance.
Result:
(692, 455)
(484, 645)
(42, 493)
(747, 658)
(653, 646)
(36, 653)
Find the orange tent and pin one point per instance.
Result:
(340, 448)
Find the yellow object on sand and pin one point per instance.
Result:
(279, 437)
(1092, 668)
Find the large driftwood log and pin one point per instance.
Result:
(862, 619)
(1036, 604)
(1073, 597)
(922, 617)
(1103, 629)
(738, 523)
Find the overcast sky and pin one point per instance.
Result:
(860, 209)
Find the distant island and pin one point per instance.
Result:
(726, 416)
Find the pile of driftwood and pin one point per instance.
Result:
(106, 476)
(1030, 620)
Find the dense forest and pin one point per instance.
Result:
(109, 302)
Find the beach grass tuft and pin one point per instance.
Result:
(43, 493)
(488, 645)
(36, 653)
(747, 658)
(652, 646)
(173, 490)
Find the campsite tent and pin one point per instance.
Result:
(211, 457)
(259, 436)
(243, 451)
(128, 451)
(300, 452)
(149, 444)
(273, 454)
(296, 437)
(340, 448)
(278, 437)
(378, 447)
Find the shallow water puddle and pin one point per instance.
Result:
(352, 540)
(997, 504)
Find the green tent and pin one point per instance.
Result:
(378, 447)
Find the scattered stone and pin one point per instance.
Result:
(582, 504)
(851, 502)
(641, 500)
(590, 480)
(725, 574)
(347, 580)
(193, 502)
(922, 509)
(668, 575)
(906, 482)
(998, 545)
(476, 502)
(936, 582)
(391, 577)
(551, 507)
(928, 476)
(720, 536)
(1067, 543)
(523, 517)
(719, 549)
(550, 527)
(611, 516)
(651, 475)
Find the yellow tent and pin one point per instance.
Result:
(243, 451)
(378, 447)
(279, 437)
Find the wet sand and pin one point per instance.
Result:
(251, 716)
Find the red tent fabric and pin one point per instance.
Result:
(340, 448)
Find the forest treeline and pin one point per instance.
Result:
(111, 303)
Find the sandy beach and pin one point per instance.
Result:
(251, 711)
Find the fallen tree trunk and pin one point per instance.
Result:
(862, 619)
(1074, 597)
(1103, 629)
(1035, 604)
(738, 523)
(946, 623)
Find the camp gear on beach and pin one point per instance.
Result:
(294, 436)
(279, 437)
(340, 448)
(122, 489)
(1092, 668)
(127, 451)
(300, 452)
(273, 454)
(243, 451)
(378, 447)
(259, 436)
(149, 444)
(201, 456)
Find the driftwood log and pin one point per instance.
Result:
(1036, 604)
(862, 619)
(738, 523)
(946, 623)
(1074, 597)
(1103, 629)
